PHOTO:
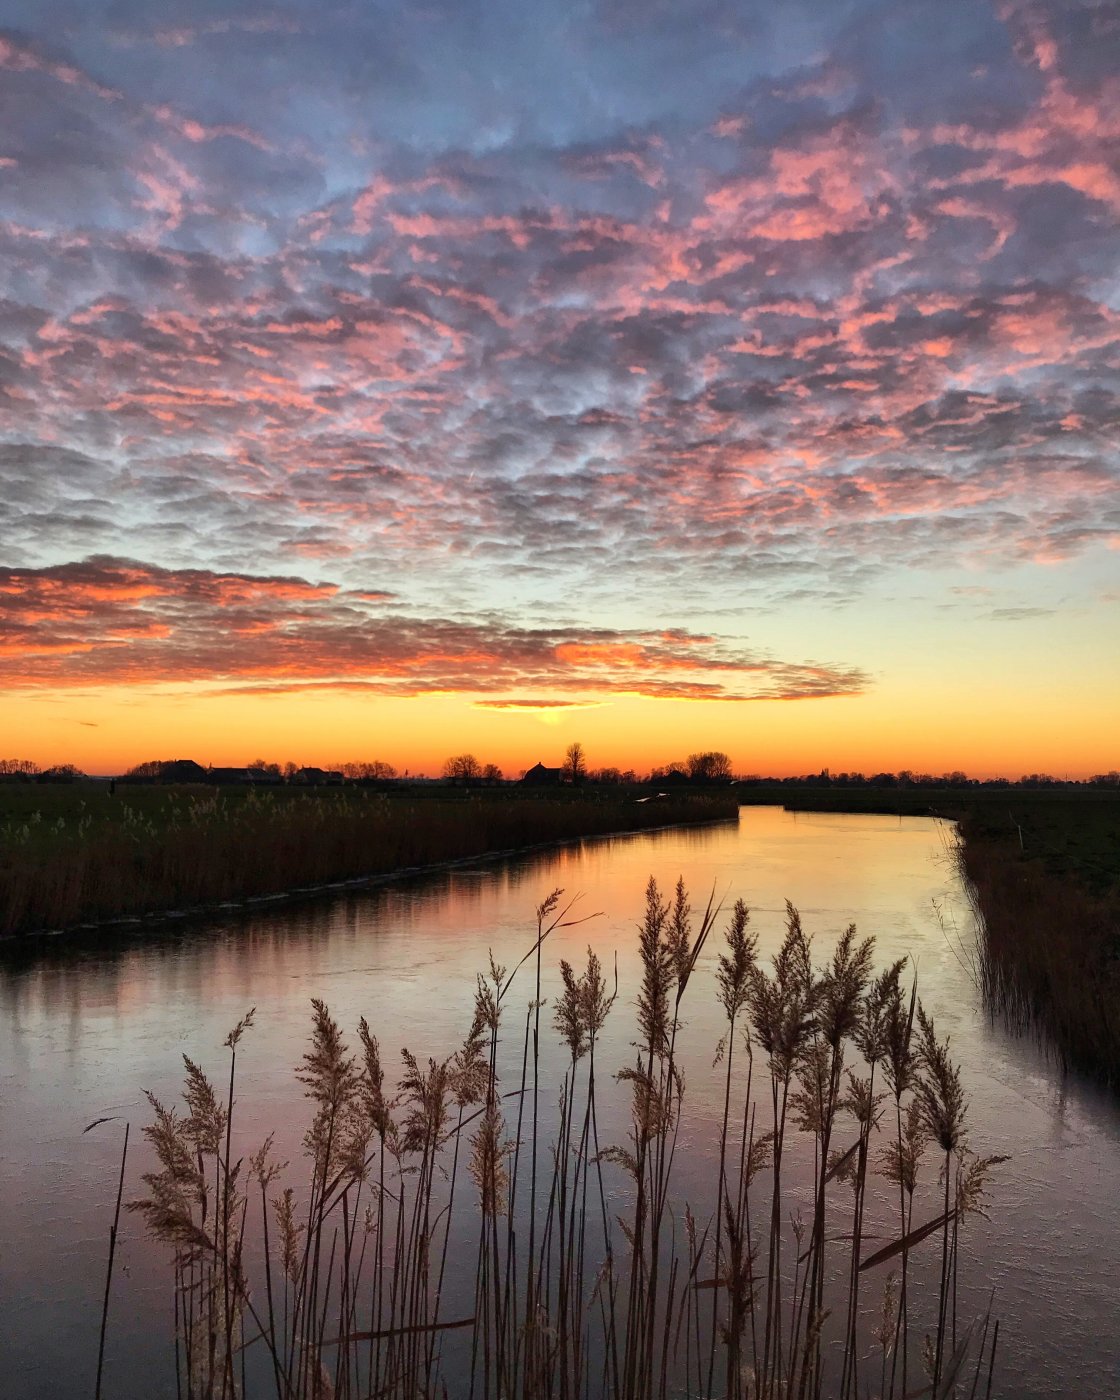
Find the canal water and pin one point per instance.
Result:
(88, 1024)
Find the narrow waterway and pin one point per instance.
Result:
(86, 1027)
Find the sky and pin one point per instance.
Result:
(388, 380)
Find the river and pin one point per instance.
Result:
(88, 1023)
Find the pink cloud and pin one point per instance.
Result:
(112, 622)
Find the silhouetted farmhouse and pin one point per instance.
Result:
(269, 776)
(317, 777)
(180, 770)
(540, 776)
(675, 778)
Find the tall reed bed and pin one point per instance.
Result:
(1049, 949)
(146, 853)
(444, 1243)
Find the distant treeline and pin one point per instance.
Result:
(699, 769)
(908, 779)
(23, 770)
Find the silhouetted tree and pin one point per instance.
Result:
(492, 774)
(18, 768)
(676, 772)
(462, 768)
(575, 763)
(150, 768)
(262, 768)
(60, 773)
(710, 767)
(376, 770)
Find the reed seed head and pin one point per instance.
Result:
(371, 1083)
(240, 1029)
(783, 1007)
(734, 967)
(872, 1032)
(487, 1163)
(470, 1069)
(938, 1089)
(206, 1125)
(899, 1028)
(658, 967)
(900, 1158)
(568, 1017)
(842, 986)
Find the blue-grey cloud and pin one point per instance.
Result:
(721, 299)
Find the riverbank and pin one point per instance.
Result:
(1045, 882)
(86, 1020)
(78, 855)
(1043, 870)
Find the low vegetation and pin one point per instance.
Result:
(1041, 862)
(438, 1244)
(74, 854)
(1045, 883)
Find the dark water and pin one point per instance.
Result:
(84, 1029)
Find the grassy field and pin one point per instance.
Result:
(1072, 839)
(75, 853)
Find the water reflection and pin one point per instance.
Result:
(84, 1028)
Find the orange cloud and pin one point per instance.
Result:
(107, 621)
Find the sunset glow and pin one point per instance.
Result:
(382, 382)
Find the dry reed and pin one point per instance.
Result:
(1049, 950)
(590, 1278)
(149, 851)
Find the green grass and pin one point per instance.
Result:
(1075, 839)
(75, 854)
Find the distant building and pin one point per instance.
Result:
(181, 770)
(318, 777)
(540, 776)
(226, 777)
(675, 778)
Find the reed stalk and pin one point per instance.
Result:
(554, 1311)
(109, 1267)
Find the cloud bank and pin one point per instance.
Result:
(117, 622)
(662, 309)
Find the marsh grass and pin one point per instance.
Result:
(1048, 940)
(77, 855)
(438, 1245)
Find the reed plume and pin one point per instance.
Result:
(590, 1272)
